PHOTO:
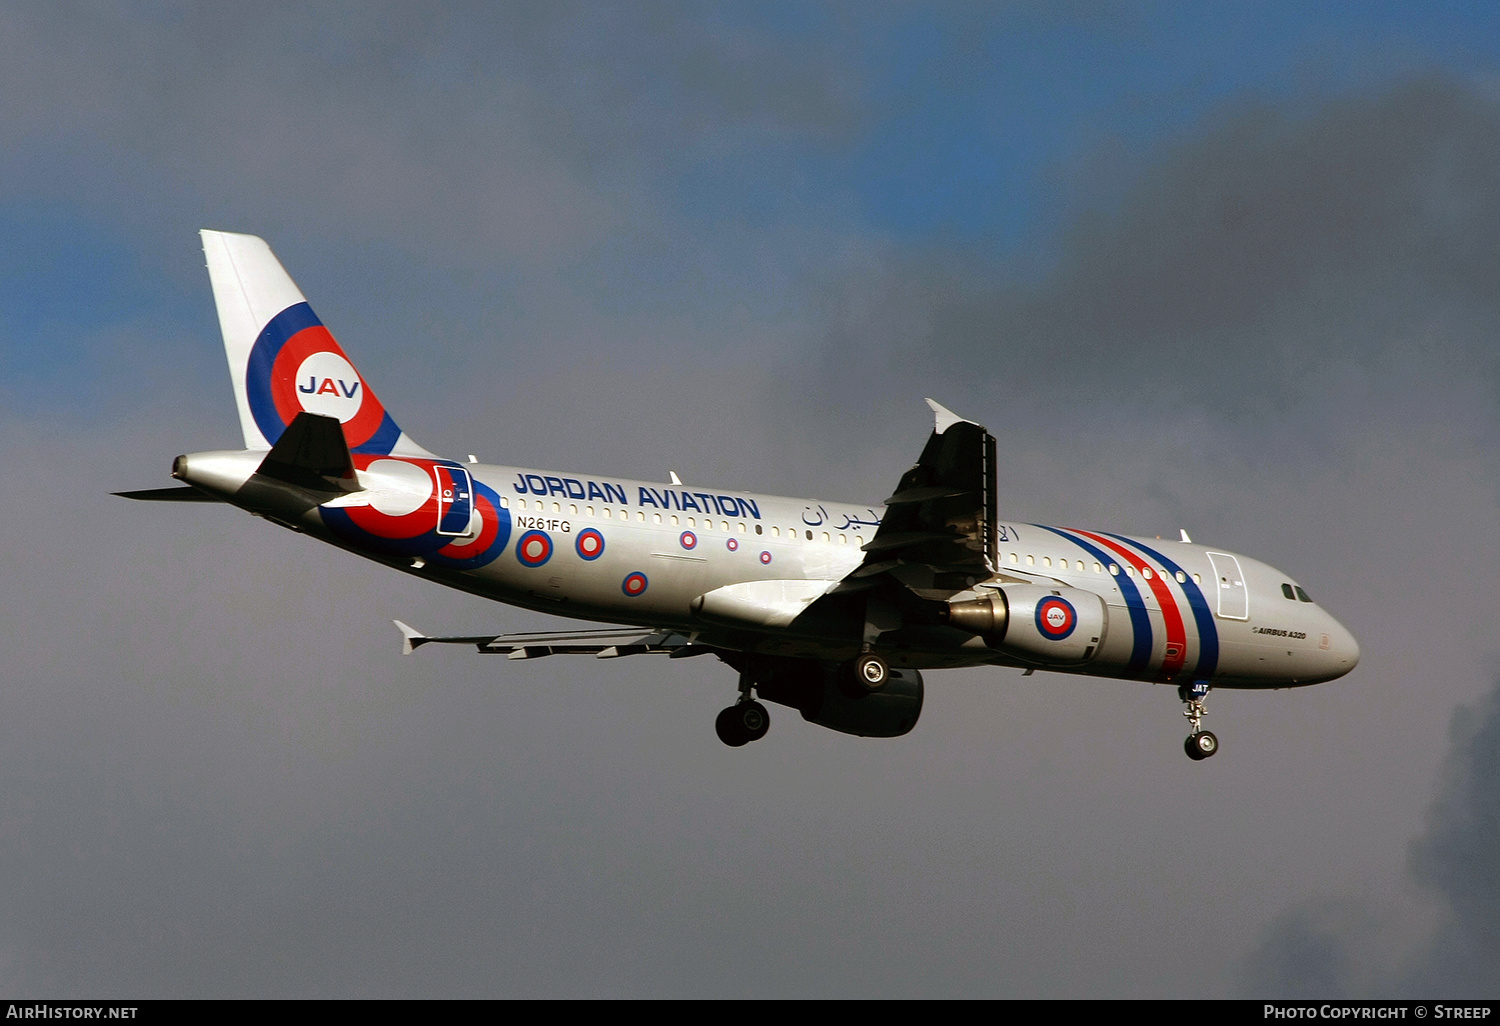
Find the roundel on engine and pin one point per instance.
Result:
(1056, 618)
(1054, 625)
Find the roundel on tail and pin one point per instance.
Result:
(296, 365)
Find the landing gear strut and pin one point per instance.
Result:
(746, 720)
(1200, 744)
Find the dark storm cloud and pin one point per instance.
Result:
(1306, 954)
(1458, 858)
(1323, 948)
(470, 128)
(1241, 269)
(221, 778)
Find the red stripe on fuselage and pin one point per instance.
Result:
(1171, 615)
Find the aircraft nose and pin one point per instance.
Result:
(1342, 646)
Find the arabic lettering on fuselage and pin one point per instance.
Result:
(660, 498)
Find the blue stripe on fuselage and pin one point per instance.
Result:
(1140, 619)
(1208, 634)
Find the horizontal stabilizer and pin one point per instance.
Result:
(605, 643)
(310, 452)
(169, 495)
(410, 638)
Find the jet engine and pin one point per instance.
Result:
(1059, 626)
(816, 691)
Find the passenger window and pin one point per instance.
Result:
(1181, 577)
(1304, 596)
(757, 529)
(1030, 559)
(641, 517)
(608, 513)
(1098, 569)
(589, 510)
(504, 502)
(809, 536)
(1286, 589)
(775, 531)
(572, 509)
(1046, 561)
(656, 518)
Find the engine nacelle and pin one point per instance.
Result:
(816, 691)
(1061, 626)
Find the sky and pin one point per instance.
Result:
(1227, 268)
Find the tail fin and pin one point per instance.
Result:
(281, 358)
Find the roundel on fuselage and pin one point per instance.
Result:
(403, 509)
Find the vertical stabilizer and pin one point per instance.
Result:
(282, 360)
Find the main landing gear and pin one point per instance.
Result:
(746, 720)
(867, 674)
(1200, 744)
(742, 723)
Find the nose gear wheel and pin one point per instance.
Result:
(1200, 744)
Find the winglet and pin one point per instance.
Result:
(1185, 535)
(946, 418)
(410, 637)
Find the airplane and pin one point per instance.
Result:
(830, 608)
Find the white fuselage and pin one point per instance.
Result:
(735, 569)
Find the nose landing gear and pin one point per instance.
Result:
(1200, 744)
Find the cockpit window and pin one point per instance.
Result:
(1304, 596)
(1286, 589)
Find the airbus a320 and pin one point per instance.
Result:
(829, 608)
